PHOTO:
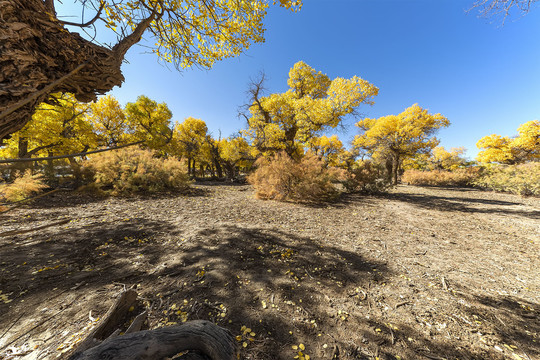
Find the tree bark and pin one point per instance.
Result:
(395, 168)
(38, 56)
(199, 335)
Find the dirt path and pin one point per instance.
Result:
(420, 273)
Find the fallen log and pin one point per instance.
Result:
(202, 340)
(200, 335)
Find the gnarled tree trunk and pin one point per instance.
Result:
(39, 56)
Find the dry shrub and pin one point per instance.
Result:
(366, 176)
(133, 170)
(23, 187)
(458, 177)
(282, 178)
(523, 179)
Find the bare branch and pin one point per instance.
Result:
(88, 23)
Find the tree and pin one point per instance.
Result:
(235, 152)
(190, 136)
(505, 150)
(313, 103)
(438, 159)
(55, 130)
(327, 148)
(398, 137)
(39, 56)
(109, 121)
(150, 122)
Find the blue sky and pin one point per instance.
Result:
(483, 76)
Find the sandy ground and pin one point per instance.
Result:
(418, 273)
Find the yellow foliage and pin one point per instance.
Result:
(523, 179)
(504, 150)
(313, 103)
(109, 121)
(133, 170)
(398, 137)
(150, 122)
(60, 129)
(327, 148)
(22, 188)
(194, 32)
(458, 177)
(189, 136)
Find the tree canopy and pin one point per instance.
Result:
(505, 150)
(397, 137)
(313, 103)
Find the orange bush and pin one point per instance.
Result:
(282, 178)
(459, 177)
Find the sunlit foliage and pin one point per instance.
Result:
(55, 129)
(281, 177)
(150, 121)
(505, 150)
(193, 32)
(109, 121)
(133, 170)
(313, 103)
(398, 137)
(189, 138)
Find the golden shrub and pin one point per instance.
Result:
(22, 187)
(458, 177)
(523, 179)
(133, 170)
(366, 176)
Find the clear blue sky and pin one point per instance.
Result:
(483, 76)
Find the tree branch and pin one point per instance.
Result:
(7, 161)
(86, 24)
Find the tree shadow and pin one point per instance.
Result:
(286, 288)
(462, 204)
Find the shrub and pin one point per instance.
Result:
(282, 178)
(22, 187)
(366, 176)
(133, 170)
(458, 177)
(523, 179)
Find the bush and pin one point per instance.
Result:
(523, 179)
(366, 176)
(133, 170)
(458, 177)
(23, 187)
(282, 178)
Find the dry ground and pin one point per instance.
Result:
(419, 273)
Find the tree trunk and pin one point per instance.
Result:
(395, 169)
(388, 166)
(38, 56)
(49, 170)
(77, 174)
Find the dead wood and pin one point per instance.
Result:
(199, 335)
(112, 320)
